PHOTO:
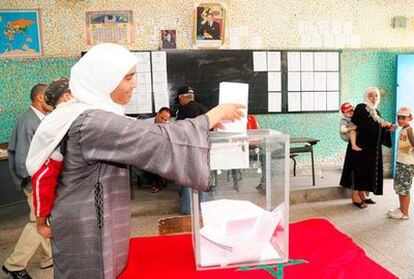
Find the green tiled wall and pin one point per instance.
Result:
(360, 69)
(17, 77)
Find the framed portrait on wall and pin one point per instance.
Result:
(20, 33)
(168, 39)
(210, 19)
(110, 27)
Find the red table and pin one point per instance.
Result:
(317, 249)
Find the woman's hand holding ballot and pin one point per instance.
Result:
(230, 112)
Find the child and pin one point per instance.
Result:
(347, 129)
(45, 179)
(405, 164)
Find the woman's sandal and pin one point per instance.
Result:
(369, 201)
(261, 188)
(155, 189)
(360, 205)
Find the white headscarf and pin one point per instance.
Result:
(92, 79)
(372, 108)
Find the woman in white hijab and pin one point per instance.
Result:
(90, 217)
(363, 170)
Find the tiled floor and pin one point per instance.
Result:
(388, 242)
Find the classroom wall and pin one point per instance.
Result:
(17, 77)
(275, 23)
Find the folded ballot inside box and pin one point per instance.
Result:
(236, 232)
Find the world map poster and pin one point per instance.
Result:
(19, 33)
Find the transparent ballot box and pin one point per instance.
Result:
(243, 220)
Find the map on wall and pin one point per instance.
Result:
(19, 33)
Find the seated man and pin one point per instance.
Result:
(156, 182)
(162, 116)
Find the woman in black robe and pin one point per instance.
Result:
(363, 170)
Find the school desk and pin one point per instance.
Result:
(307, 147)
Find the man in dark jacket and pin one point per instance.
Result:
(188, 108)
(210, 30)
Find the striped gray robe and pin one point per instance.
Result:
(90, 218)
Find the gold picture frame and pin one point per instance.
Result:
(209, 25)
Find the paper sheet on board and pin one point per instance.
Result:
(259, 61)
(274, 102)
(159, 61)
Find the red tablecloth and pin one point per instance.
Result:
(328, 254)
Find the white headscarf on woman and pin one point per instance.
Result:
(92, 79)
(371, 107)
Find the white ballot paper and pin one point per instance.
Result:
(237, 232)
(236, 93)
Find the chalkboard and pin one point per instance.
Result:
(204, 70)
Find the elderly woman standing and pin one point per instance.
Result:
(363, 170)
(90, 219)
